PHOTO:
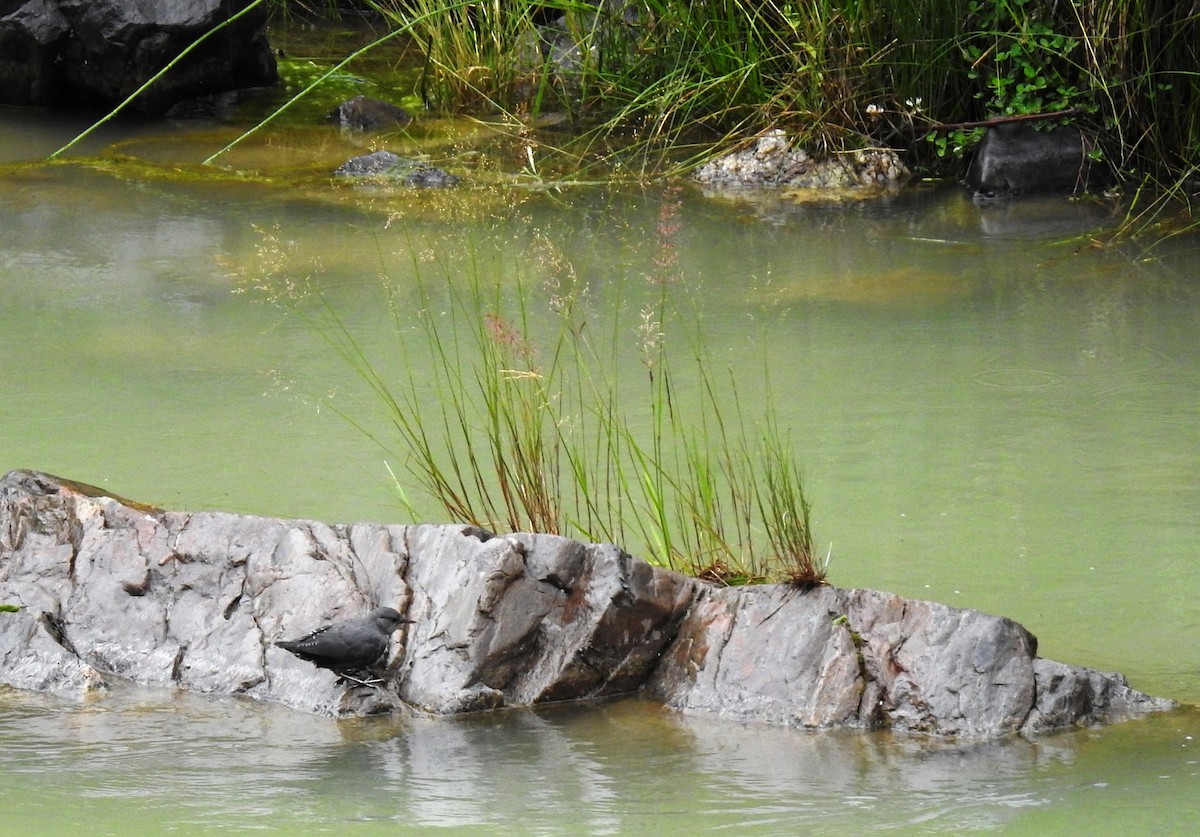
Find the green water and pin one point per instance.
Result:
(990, 413)
(140, 762)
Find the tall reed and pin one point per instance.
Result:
(676, 75)
(513, 409)
(837, 75)
(663, 68)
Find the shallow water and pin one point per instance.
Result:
(990, 413)
(151, 762)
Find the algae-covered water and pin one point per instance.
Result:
(990, 412)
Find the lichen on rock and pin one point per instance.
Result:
(772, 161)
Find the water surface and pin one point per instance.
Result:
(990, 413)
(139, 762)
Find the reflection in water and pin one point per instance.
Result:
(186, 762)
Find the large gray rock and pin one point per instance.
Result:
(862, 658)
(196, 601)
(95, 53)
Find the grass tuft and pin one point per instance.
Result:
(510, 405)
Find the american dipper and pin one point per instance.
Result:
(350, 646)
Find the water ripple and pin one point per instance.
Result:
(1015, 379)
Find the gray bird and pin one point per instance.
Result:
(350, 647)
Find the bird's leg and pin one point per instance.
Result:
(372, 682)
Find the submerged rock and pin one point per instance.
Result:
(387, 166)
(362, 113)
(196, 601)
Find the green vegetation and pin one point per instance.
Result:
(505, 407)
(670, 75)
(735, 66)
(533, 430)
(654, 86)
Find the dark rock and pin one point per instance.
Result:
(213, 106)
(386, 166)
(198, 601)
(1019, 159)
(95, 53)
(30, 38)
(366, 114)
(368, 165)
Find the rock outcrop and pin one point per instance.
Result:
(110, 588)
(96, 53)
(827, 657)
